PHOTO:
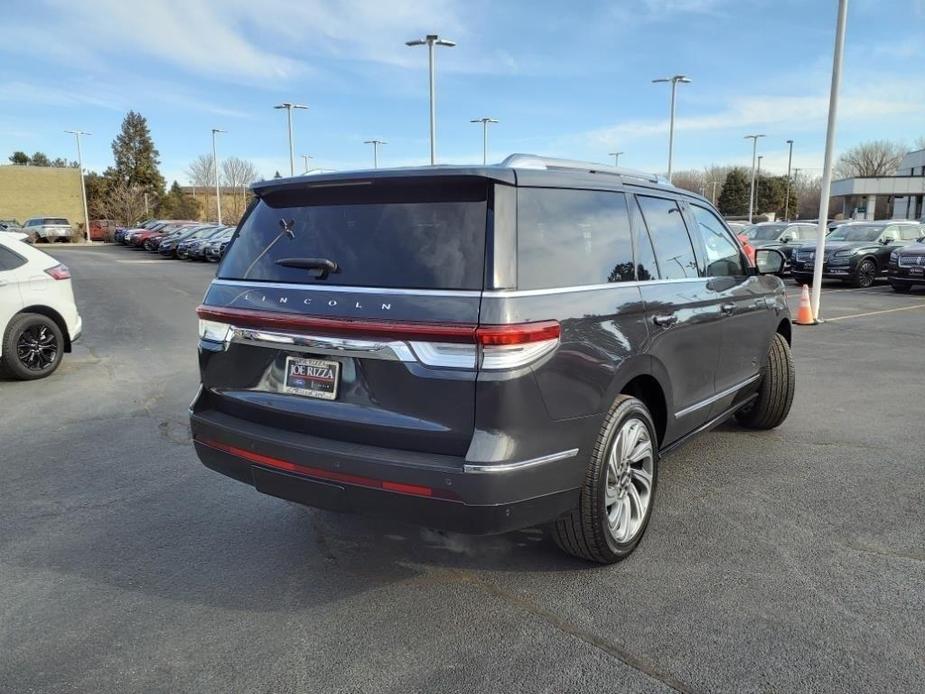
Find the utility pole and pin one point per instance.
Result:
(758, 180)
(713, 199)
(787, 198)
(829, 149)
(375, 144)
(218, 194)
(83, 185)
(430, 41)
(751, 193)
(289, 106)
(796, 191)
(616, 158)
(674, 80)
(484, 121)
(305, 158)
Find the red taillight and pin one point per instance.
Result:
(318, 473)
(517, 334)
(59, 272)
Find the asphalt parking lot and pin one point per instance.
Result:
(791, 560)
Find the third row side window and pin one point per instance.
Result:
(569, 238)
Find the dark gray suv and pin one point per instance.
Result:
(483, 349)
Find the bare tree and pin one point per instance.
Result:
(123, 202)
(201, 173)
(919, 143)
(691, 179)
(875, 158)
(237, 174)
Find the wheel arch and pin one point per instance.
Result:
(649, 390)
(55, 316)
(785, 330)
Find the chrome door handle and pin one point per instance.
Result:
(727, 308)
(665, 321)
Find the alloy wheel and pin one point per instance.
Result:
(866, 274)
(628, 483)
(37, 347)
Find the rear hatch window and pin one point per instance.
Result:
(408, 234)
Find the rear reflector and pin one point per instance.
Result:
(319, 473)
(59, 272)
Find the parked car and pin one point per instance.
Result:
(215, 249)
(189, 245)
(906, 267)
(483, 349)
(48, 229)
(197, 249)
(102, 229)
(168, 247)
(10, 225)
(39, 320)
(856, 252)
(784, 236)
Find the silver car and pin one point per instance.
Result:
(48, 229)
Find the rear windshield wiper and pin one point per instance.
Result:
(324, 265)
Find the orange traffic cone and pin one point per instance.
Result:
(805, 311)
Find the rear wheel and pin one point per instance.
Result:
(32, 346)
(775, 392)
(619, 488)
(865, 275)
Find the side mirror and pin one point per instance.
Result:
(769, 261)
(888, 240)
(786, 239)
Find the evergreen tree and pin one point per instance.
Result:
(21, 158)
(733, 201)
(136, 158)
(40, 159)
(178, 204)
(277, 174)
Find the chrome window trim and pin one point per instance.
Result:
(348, 289)
(479, 468)
(714, 398)
(513, 293)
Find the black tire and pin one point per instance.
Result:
(800, 280)
(901, 288)
(22, 330)
(775, 392)
(584, 531)
(865, 275)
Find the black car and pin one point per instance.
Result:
(856, 252)
(168, 246)
(784, 236)
(907, 265)
(484, 348)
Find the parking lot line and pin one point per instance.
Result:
(875, 313)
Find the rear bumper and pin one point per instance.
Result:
(429, 490)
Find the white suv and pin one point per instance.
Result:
(38, 317)
(48, 229)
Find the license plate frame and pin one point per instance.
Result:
(311, 377)
(917, 271)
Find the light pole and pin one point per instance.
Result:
(305, 158)
(83, 185)
(751, 193)
(430, 41)
(787, 197)
(674, 80)
(375, 144)
(829, 147)
(758, 180)
(289, 106)
(796, 191)
(484, 120)
(616, 158)
(713, 199)
(218, 194)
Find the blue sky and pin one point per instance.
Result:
(564, 78)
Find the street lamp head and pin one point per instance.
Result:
(789, 142)
(683, 79)
(375, 142)
(289, 104)
(752, 137)
(416, 42)
(445, 42)
(431, 39)
(484, 119)
(218, 130)
(78, 132)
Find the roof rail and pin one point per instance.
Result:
(532, 161)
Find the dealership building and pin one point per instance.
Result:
(906, 190)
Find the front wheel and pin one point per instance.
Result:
(32, 347)
(619, 488)
(865, 275)
(775, 392)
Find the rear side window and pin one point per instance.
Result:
(10, 260)
(673, 248)
(910, 232)
(57, 221)
(568, 238)
(425, 234)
